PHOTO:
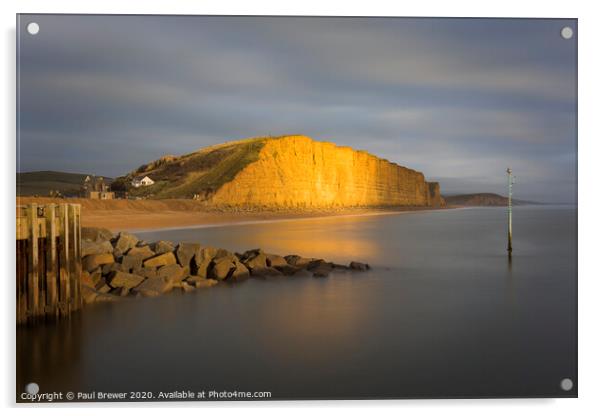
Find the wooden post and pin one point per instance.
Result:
(21, 280)
(74, 271)
(78, 256)
(64, 261)
(22, 275)
(32, 261)
(48, 261)
(51, 262)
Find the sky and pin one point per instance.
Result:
(457, 99)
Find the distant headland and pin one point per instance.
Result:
(484, 200)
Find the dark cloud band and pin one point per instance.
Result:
(459, 99)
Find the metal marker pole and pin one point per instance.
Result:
(509, 171)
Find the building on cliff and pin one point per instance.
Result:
(291, 172)
(142, 181)
(95, 187)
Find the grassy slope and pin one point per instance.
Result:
(42, 182)
(201, 172)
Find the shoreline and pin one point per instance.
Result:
(287, 218)
(152, 215)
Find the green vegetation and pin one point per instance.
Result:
(42, 182)
(200, 173)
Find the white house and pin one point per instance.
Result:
(142, 181)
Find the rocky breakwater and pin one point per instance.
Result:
(117, 266)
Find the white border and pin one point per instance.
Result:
(590, 274)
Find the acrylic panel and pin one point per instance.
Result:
(290, 208)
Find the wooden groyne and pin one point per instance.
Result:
(48, 261)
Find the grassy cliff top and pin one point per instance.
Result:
(201, 172)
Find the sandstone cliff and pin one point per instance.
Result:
(290, 172)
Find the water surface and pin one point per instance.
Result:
(442, 314)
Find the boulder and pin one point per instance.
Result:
(298, 261)
(287, 269)
(205, 284)
(93, 261)
(129, 263)
(356, 265)
(86, 279)
(292, 259)
(186, 252)
(164, 259)
(106, 297)
(101, 282)
(95, 247)
(146, 272)
(96, 234)
(153, 286)
(104, 288)
(221, 252)
(88, 294)
(193, 279)
(240, 270)
(144, 293)
(120, 291)
(186, 287)
(255, 263)
(122, 279)
(249, 254)
(202, 259)
(274, 260)
(96, 275)
(125, 241)
(221, 268)
(118, 254)
(112, 267)
(320, 268)
(172, 272)
(317, 263)
(143, 252)
(266, 272)
(200, 282)
(161, 247)
(134, 258)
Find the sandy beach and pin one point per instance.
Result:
(120, 214)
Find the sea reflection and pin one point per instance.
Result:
(338, 239)
(50, 354)
(318, 314)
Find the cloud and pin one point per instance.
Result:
(457, 99)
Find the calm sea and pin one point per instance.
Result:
(441, 314)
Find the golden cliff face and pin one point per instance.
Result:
(298, 172)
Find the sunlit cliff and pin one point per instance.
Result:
(288, 172)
